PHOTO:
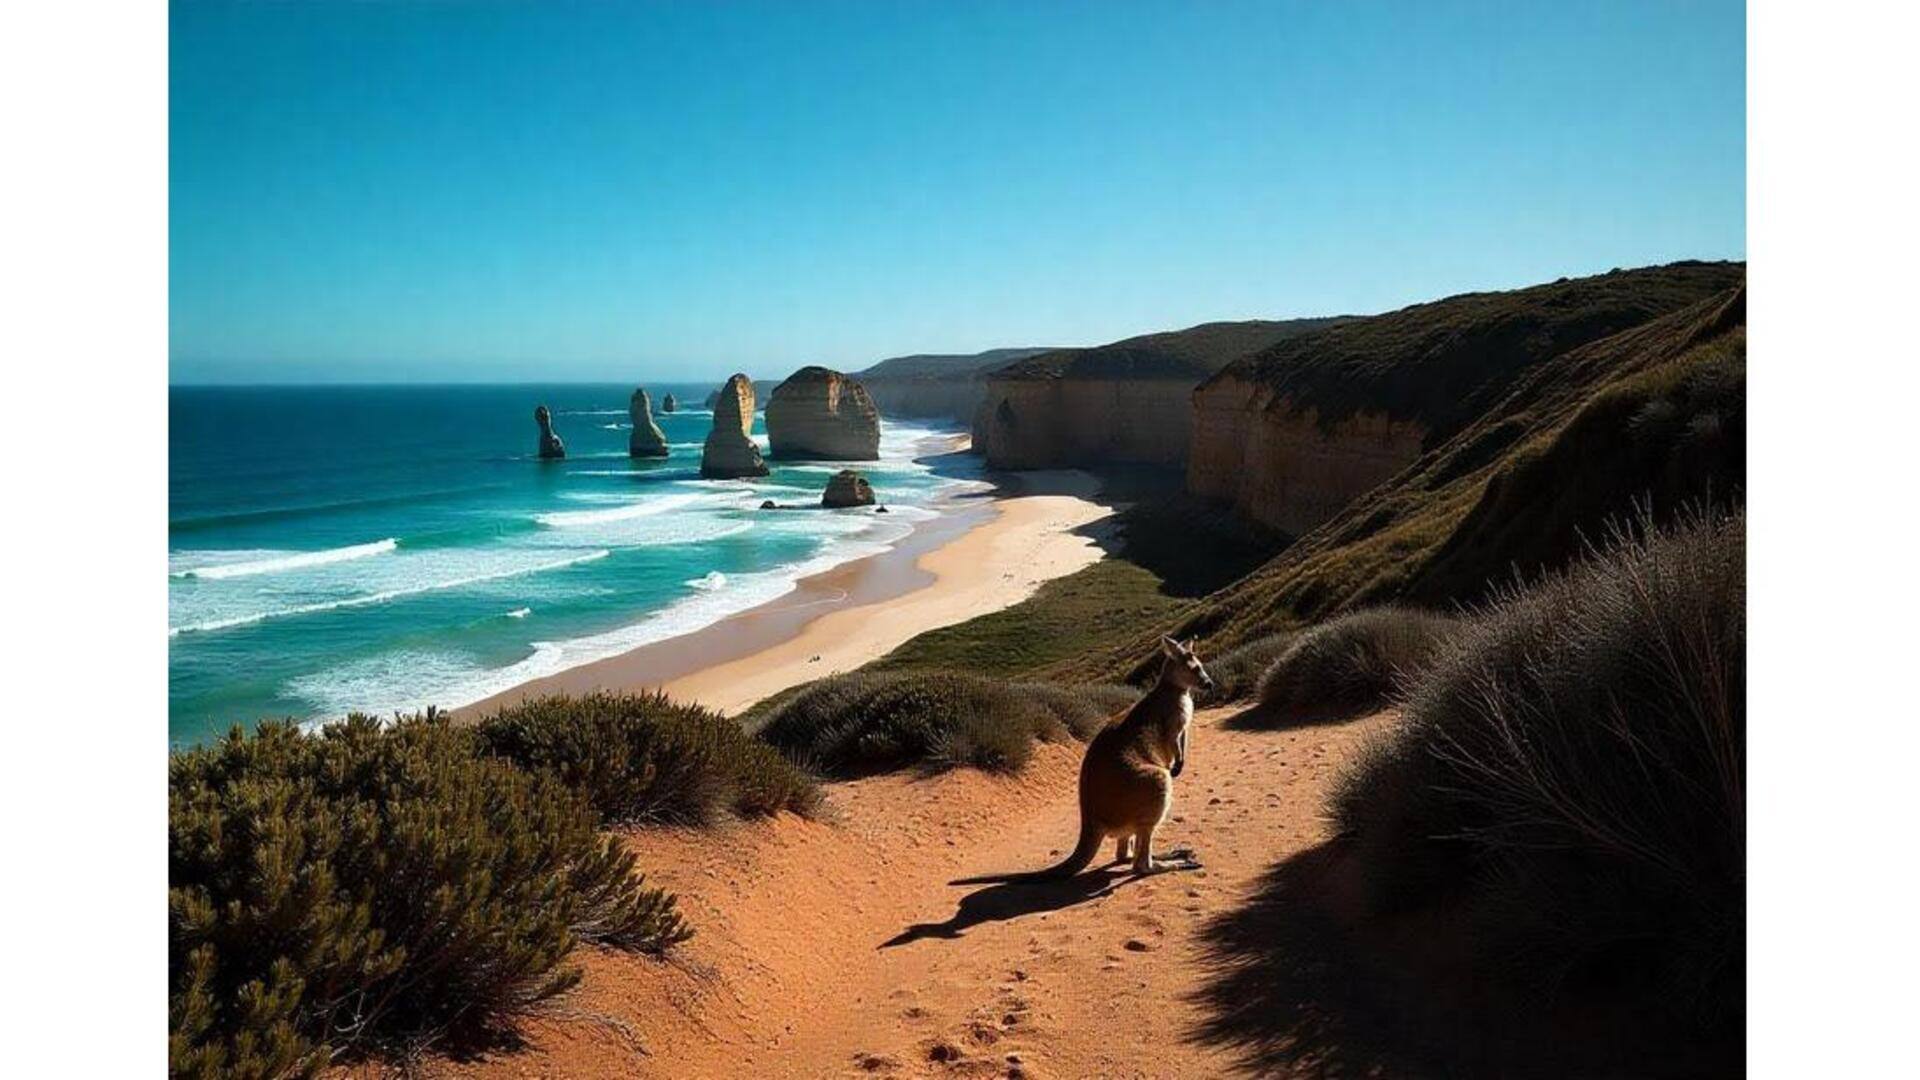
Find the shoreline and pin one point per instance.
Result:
(1028, 530)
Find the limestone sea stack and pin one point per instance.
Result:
(647, 439)
(669, 404)
(822, 415)
(847, 488)
(730, 451)
(551, 447)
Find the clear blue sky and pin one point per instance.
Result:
(488, 191)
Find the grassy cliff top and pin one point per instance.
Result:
(945, 366)
(1192, 354)
(1640, 423)
(1445, 362)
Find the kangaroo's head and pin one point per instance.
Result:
(1182, 666)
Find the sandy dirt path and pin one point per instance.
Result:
(838, 948)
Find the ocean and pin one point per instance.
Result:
(382, 549)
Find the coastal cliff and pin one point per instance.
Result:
(927, 386)
(1127, 403)
(1279, 464)
(1293, 434)
(820, 414)
(1056, 423)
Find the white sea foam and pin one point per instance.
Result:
(708, 582)
(380, 597)
(412, 679)
(519, 613)
(562, 519)
(278, 562)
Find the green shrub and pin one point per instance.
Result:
(1237, 674)
(857, 724)
(643, 757)
(1571, 780)
(1351, 665)
(377, 889)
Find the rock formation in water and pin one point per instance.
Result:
(669, 404)
(822, 415)
(730, 451)
(550, 445)
(847, 488)
(647, 439)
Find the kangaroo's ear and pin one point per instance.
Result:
(1169, 646)
(1191, 642)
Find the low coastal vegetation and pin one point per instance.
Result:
(1569, 785)
(641, 758)
(1237, 672)
(1354, 664)
(863, 723)
(390, 889)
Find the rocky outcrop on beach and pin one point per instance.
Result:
(847, 488)
(820, 414)
(551, 447)
(730, 451)
(647, 440)
(669, 404)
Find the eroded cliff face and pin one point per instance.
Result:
(1278, 465)
(1066, 422)
(927, 399)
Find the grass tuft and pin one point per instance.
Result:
(1570, 782)
(1351, 665)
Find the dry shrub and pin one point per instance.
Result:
(857, 724)
(1353, 664)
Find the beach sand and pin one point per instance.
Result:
(996, 550)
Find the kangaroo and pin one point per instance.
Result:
(1126, 779)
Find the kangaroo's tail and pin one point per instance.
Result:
(1083, 853)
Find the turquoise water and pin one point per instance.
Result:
(386, 548)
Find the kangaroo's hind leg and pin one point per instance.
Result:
(1123, 848)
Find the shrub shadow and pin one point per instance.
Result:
(1286, 986)
(1258, 716)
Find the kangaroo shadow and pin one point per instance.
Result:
(1012, 899)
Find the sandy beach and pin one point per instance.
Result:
(993, 551)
